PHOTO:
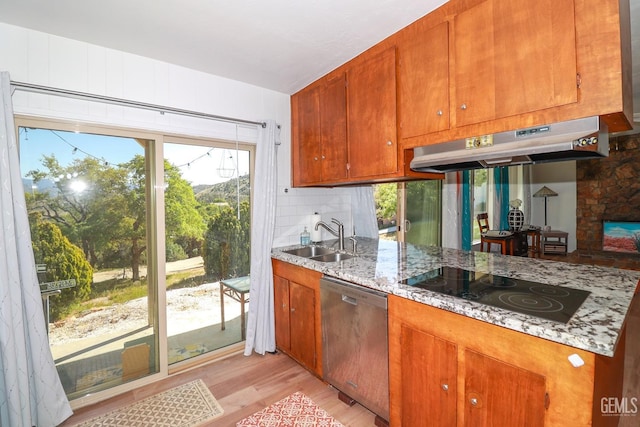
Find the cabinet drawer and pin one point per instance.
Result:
(555, 248)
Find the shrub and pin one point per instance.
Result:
(225, 250)
(64, 261)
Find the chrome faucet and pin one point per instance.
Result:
(339, 234)
(355, 243)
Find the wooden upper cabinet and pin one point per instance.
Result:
(371, 115)
(319, 153)
(423, 80)
(468, 68)
(333, 124)
(512, 58)
(307, 150)
(474, 70)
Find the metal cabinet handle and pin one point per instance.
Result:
(389, 143)
(445, 387)
(315, 158)
(439, 112)
(474, 401)
(463, 107)
(293, 309)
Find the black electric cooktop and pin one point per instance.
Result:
(556, 303)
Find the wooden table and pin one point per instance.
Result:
(534, 233)
(554, 242)
(238, 290)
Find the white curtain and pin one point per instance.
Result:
(452, 217)
(260, 322)
(30, 390)
(363, 208)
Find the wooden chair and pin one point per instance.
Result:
(505, 239)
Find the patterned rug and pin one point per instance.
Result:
(187, 405)
(296, 410)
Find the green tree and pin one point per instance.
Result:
(107, 217)
(85, 202)
(386, 198)
(64, 261)
(226, 247)
(184, 224)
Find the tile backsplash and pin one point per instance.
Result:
(295, 207)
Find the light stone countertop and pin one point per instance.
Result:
(383, 264)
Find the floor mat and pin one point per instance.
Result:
(187, 405)
(296, 410)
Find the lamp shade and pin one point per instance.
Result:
(545, 192)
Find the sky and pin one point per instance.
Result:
(621, 229)
(195, 164)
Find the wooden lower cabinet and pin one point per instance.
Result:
(297, 314)
(428, 379)
(446, 369)
(499, 394)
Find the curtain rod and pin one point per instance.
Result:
(47, 90)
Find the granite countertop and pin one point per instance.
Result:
(383, 264)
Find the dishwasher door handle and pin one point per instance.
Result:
(349, 300)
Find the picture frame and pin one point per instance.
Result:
(621, 236)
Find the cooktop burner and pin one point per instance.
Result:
(557, 303)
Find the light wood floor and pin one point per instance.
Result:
(244, 385)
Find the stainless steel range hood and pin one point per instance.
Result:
(584, 138)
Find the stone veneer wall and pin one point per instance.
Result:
(608, 189)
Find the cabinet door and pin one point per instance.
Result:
(333, 125)
(499, 394)
(513, 58)
(535, 51)
(307, 164)
(302, 324)
(429, 376)
(281, 312)
(372, 133)
(423, 81)
(475, 94)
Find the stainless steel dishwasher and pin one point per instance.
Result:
(355, 357)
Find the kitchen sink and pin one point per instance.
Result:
(333, 257)
(310, 251)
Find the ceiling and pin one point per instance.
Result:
(281, 45)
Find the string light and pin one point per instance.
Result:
(106, 163)
(188, 164)
(76, 149)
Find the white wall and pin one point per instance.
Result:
(43, 59)
(561, 209)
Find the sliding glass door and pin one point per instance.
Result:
(207, 231)
(423, 212)
(89, 202)
(410, 212)
(142, 248)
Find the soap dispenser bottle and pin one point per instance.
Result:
(305, 237)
